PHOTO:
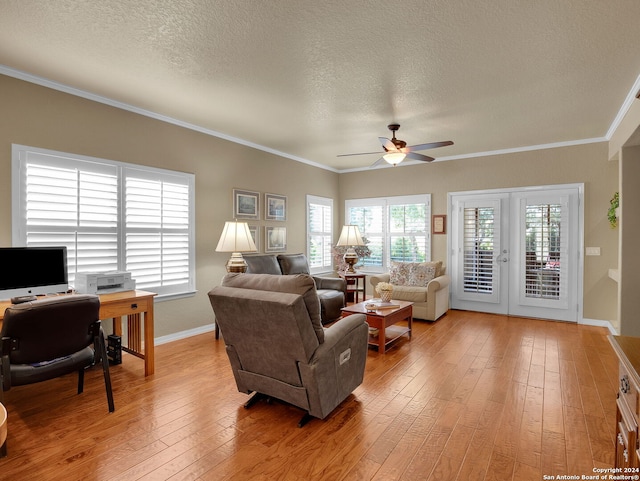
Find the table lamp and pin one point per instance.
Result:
(350, 236)
(236, 238)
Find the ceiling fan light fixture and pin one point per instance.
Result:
(394, 158)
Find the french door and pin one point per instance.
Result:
(518, 252)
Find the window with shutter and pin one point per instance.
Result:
(110, 215)
(479, 238)
(396, 228)
(544, 269)
(319, 233)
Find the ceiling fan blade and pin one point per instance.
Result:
(387, 144)
(377, 162)
(430, 145)
(359, 153)
(416, 156)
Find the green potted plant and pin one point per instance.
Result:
(612, 215)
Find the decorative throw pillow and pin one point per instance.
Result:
(437, 265)
(420, 274)
(399, 273)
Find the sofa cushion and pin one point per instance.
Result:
(409, 293)
(300, 284)
(420, 274)
(414, 273)
(293, 264)
(262, 264)
(399, 273)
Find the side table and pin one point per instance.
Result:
(353, 286)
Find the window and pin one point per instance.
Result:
(319, 233)
(110, 215)
(395, 228)
(479, 233)
(543, 247)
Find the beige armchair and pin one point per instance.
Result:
(278, 347)
(430, 300)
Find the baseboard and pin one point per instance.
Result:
(599, 323)
(184, 334)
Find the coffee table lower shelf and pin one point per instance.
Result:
(391, 333)
(386, 322)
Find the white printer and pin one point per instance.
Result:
(104, 282)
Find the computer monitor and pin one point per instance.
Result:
(32, 271)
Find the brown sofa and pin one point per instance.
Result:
(331, 290)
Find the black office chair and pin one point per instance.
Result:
(52, 337)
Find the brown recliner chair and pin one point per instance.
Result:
(52, 337)
(278, 347)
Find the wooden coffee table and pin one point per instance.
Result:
(384, 321)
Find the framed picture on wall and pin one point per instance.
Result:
(246, 204)
(275, 207)
(255, 235)
(439, 224)
(275, 239)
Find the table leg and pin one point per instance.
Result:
(117, 326)
(149, 352)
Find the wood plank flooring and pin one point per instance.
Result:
(470, 397)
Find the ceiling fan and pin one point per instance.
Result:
(396, 150)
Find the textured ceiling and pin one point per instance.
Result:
(314, 79)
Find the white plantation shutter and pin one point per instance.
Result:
(479, 237)
(408, 237)
(157, 230)
(109, 215)
(545, 274)
(75, 206)
(370, 220)
(319, 233)
(396, 228)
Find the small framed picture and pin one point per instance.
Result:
(255, 235)
(275, 207)
(439, 224)
(275, 239)
(246, 204)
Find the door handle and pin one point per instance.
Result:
(499, 257)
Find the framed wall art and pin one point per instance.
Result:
(275, 239)
(275, 207)
(255, 235)
(439, 224)
(246, 204)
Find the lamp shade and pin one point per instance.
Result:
(236, 237)
(394, 158)
(350, 236)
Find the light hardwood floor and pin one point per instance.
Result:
(470, 397)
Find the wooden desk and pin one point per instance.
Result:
(138, 307)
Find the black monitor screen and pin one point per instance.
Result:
(33, 267)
